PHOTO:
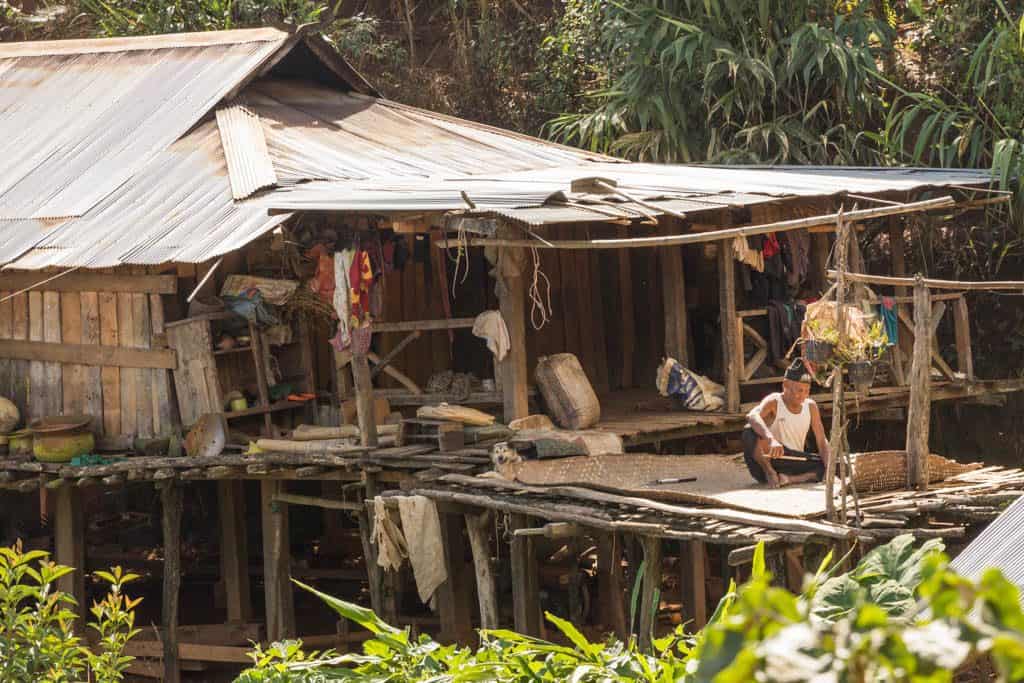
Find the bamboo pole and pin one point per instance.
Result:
(931, 283)
(918, 413)
(835, 438)
(712, 236)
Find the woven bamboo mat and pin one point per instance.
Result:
(720, 480)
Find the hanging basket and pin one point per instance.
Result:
(818, 351)
(861, 374)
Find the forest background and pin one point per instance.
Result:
(821, 82)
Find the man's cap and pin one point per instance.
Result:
(798, 372)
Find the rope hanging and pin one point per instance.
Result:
(540, 303)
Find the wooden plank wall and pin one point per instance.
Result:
(124, 401)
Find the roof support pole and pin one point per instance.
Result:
(673, 292)
(919, 412)
(171, 498)
(732, 365)
(512, 299)
(364, 399)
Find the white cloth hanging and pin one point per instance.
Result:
(491, 326)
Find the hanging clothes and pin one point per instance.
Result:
(890, 319)
(360, 278)
(342, 300)
(744, 253)
(491, 326)
(796, 247)
(785, 320)
(323, 282)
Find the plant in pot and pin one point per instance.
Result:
(859, 356)
(820, 341)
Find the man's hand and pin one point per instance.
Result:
(775, 449)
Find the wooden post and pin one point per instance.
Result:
(962, 323)
(692, 559)
(610, 590)
(673, 292)
(455, 597)
(819, 261)
(730, 330)
(836, 436)
(525, 585)
(277, 589)
(69, 548)
(364, 400)
(171, 498)
(512, 300)
(478, 530)
(383, 586)
(234, 550)
(898, 249)
(919, 412)
(650, 590)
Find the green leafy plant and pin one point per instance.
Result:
(37, 640)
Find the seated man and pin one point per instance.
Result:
(774, 439)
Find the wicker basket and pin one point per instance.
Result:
(568, 394)
(887, 470)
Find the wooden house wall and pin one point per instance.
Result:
(125, 401)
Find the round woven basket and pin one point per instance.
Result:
(887, 470)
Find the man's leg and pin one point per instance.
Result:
(798, 470)
(755, 453)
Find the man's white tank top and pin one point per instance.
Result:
(790, 429)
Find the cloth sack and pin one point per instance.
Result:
(695, 391)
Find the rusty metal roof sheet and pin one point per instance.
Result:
(999, 545)
(81, 117)
(250, 167)
(179, 207)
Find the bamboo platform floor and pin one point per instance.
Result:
(641, 416)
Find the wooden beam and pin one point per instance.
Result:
(90, 282)
(364, 400)
(692, 559)
(234, 550)
(932, 283)
(673, 292)
(650, 591)
(314, 501)
(171, 498)
(69, 548)
(478, 528)
(610, 585)
(423, 325)
(383, 361)
(89, 354)
(512, 300)
(730, 330)
(919, 412)
(525, 585)
(962, 327)
(278, 597)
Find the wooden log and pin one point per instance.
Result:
(692, 563)
(278, 597)
(650, 591)
(512, 300)
(919, 411)
(171, 498)
(478, 528)
(610, 585)
(234, 550)
(525, 584)
(730, 331)
(364, 400)
(69, 548)
(962, 326)
(673, 292)
(454, 595)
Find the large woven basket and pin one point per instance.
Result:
(887, 470)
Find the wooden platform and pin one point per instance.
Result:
(643, 417)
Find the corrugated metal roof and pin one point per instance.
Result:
(1000, 545)
(315, 133)
(249, 165)
(178, 208)
(81, 117)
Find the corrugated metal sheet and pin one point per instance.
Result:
(1000, 545)
(80, 118)
(249, 165)
(316, 133)
(178, 208)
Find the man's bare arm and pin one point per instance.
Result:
(759, 417)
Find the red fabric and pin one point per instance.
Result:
(360, 278)
(771, 245)
(323, 282)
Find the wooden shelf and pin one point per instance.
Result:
(261, 410)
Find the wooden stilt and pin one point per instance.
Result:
(364, 400)
(171, 498)
(478, 529)
(673, 292)
(794, 557)
(731, 367)
(234, 549)
(650, 590)
(610, 588)
(512, 300)
(919, 412)
(455, 599)
(525, 585)
(69, 547)
(280, 606)
(692, 565)
(962, 325)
